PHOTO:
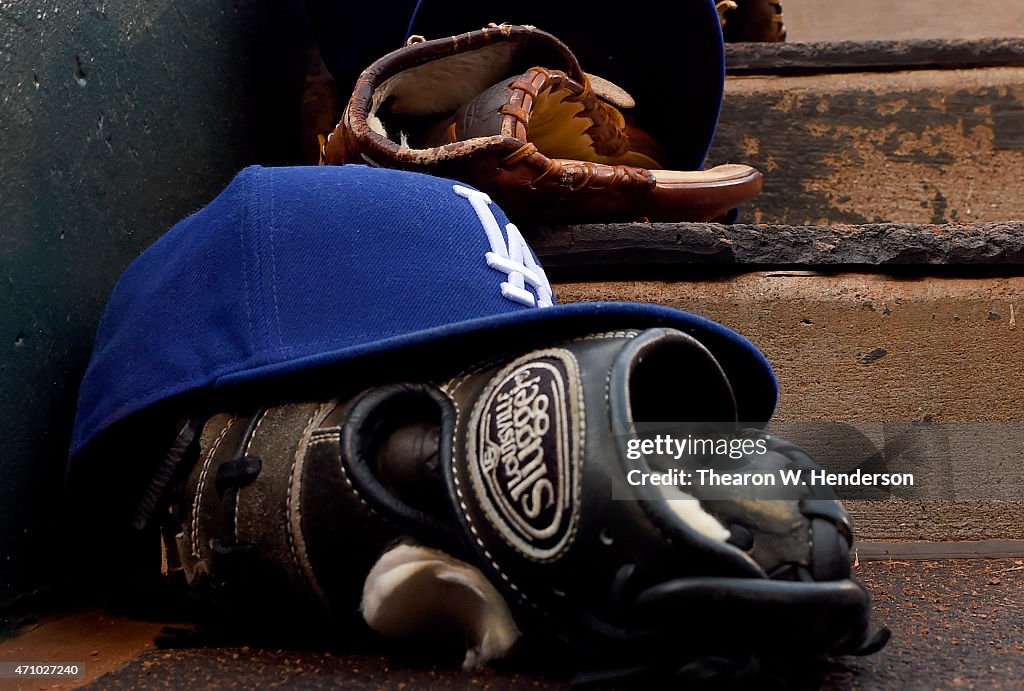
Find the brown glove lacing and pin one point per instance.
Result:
(724, 6)
(606, 132)
(577, 175)
(778, 25)
(607, 126)
(775, 32)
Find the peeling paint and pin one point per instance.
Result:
(891, 107)
(876, 354)
(922, 147)
(1008, 123)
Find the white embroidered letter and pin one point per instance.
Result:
(513, 259)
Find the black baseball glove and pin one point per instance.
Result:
(525, 497)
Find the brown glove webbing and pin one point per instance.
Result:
(566, 119)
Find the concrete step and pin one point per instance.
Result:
(952, 346)
(885, 353)
(839, 20)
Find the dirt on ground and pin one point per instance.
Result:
(955, 624)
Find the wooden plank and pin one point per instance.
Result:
(871, 56)
(932, 551)
(934, 146)
(950, 520)
(624, 245)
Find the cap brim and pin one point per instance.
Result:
(749, 372)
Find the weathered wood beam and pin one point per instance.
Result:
(879, 244)
(871, 56)
(931, 551)
(932, 146)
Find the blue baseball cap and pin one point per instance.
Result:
(291, 269)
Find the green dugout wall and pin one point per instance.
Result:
(117, 118)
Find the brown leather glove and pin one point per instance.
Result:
(509, 110)
(752, 20)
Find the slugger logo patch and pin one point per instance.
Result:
(525, 457)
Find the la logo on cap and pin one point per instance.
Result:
(514, 259)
